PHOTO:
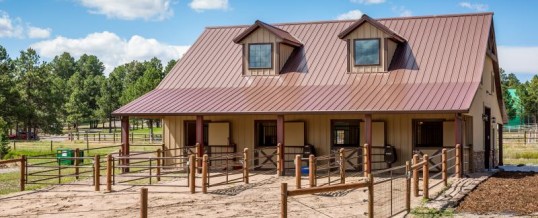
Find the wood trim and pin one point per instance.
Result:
(379, 52)
(272, 57)
(348, 55)
(244, 67)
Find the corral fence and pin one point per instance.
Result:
(98, 137)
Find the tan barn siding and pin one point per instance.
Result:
(261, 35)
(391, 49)
(366, 31)
(285, 52)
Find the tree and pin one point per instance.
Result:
(8, 94)
(509, 81)
(528, 95)
(64, 66)
(4, 147)
(169, 66)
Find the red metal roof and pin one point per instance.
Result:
(437, 70)
(365, 18)
(286, 36)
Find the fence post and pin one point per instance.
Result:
(278, 161)
(312, 170)
(159, 163)
(245, 165)
(76, 163)
(109, 173)
(366, 160)
(407, 187)
(443, 167)
(97, 172)
(144, 203)
(370, 196)
(99, 136)
(458, 161)
(425, 178)
(204, 174)
(192, 173)
(14, 146)
(342, 166)
(114, 136)
(23, 172)
(198, 152)
(284, 200)
(415, 175)
(298, 171)
(132, 137)
(51, 145)
(88, 146)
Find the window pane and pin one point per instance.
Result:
(266, 133)
(429, 133)
(259, 56)
(367, 52)
(345, 133)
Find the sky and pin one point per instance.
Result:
(118, 31)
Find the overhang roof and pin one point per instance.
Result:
(366, 19)
(438, 69)
(284, 35)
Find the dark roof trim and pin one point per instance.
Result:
(282, 34)
(365, 18)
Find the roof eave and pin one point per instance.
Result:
(366, 18)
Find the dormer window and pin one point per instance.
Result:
(260, 56)
(367, 52)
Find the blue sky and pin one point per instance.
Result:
(118, 31)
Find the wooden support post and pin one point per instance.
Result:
(312, 170)
(278, 160)
(368, 138)
(501, 163)
(370, 196)
(76, 163)
(109, 173)
(245, 165)
(159, 164)
(192, 173)
(342, 166)
(366, 159)
(204, 174)
(99, 136)
(407, 187)
(200, 139)
(298, 171)
(444, 167)
(280, 140)
(458, 161)
(125, 142)
(23, 172)
(415, 176)
(426, 178)
(199, 155)
(50, 145)
(284, 200)
(97, 169)
(144, 203)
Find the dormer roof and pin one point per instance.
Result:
(282, 34)
(366, 19)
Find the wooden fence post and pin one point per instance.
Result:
(370, 196)
(443, 167)
(407, 187)
(97, 169)
(458, 161)
(298, 171)
(284, 200)
(23, 172)
(99, 136)
(198, 149)
(425, 178)
(312, 170)
(159, 164)
(76, 163)
(192, 173)
(144, 203)
(415, 175)
(342, 166)
(204, 174)
(278, 161)
(366, 160)
(245, 165)
(109, 173)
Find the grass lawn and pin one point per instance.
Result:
(520, 154)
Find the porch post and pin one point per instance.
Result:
(459, 139)
(200, 137)
(501, 144)
(125, 141)
(368, 138)
(280, 139)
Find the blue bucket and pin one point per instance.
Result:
(305, 170)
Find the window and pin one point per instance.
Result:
(366, 51)
(260, 56)
(428, 133)
(345, 133)
(265, 133)
(190, 133)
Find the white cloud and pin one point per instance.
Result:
(475, 7)
(402, 11)
(110, 48)
(368, 2)
(350, 15)
(10, 28)
(201, 5)
(518, 59)
(38, 33)
(130, 9)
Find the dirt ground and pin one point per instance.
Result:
(504, 193)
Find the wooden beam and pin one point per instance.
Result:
(280, 139)
(501, 145)
(458, 129)
(200, 133)
(125, 141)
(368, 137)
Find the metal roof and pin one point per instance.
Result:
(438, 69)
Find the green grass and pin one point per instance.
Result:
(431, 212)
(520, 154)
(146, 130)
